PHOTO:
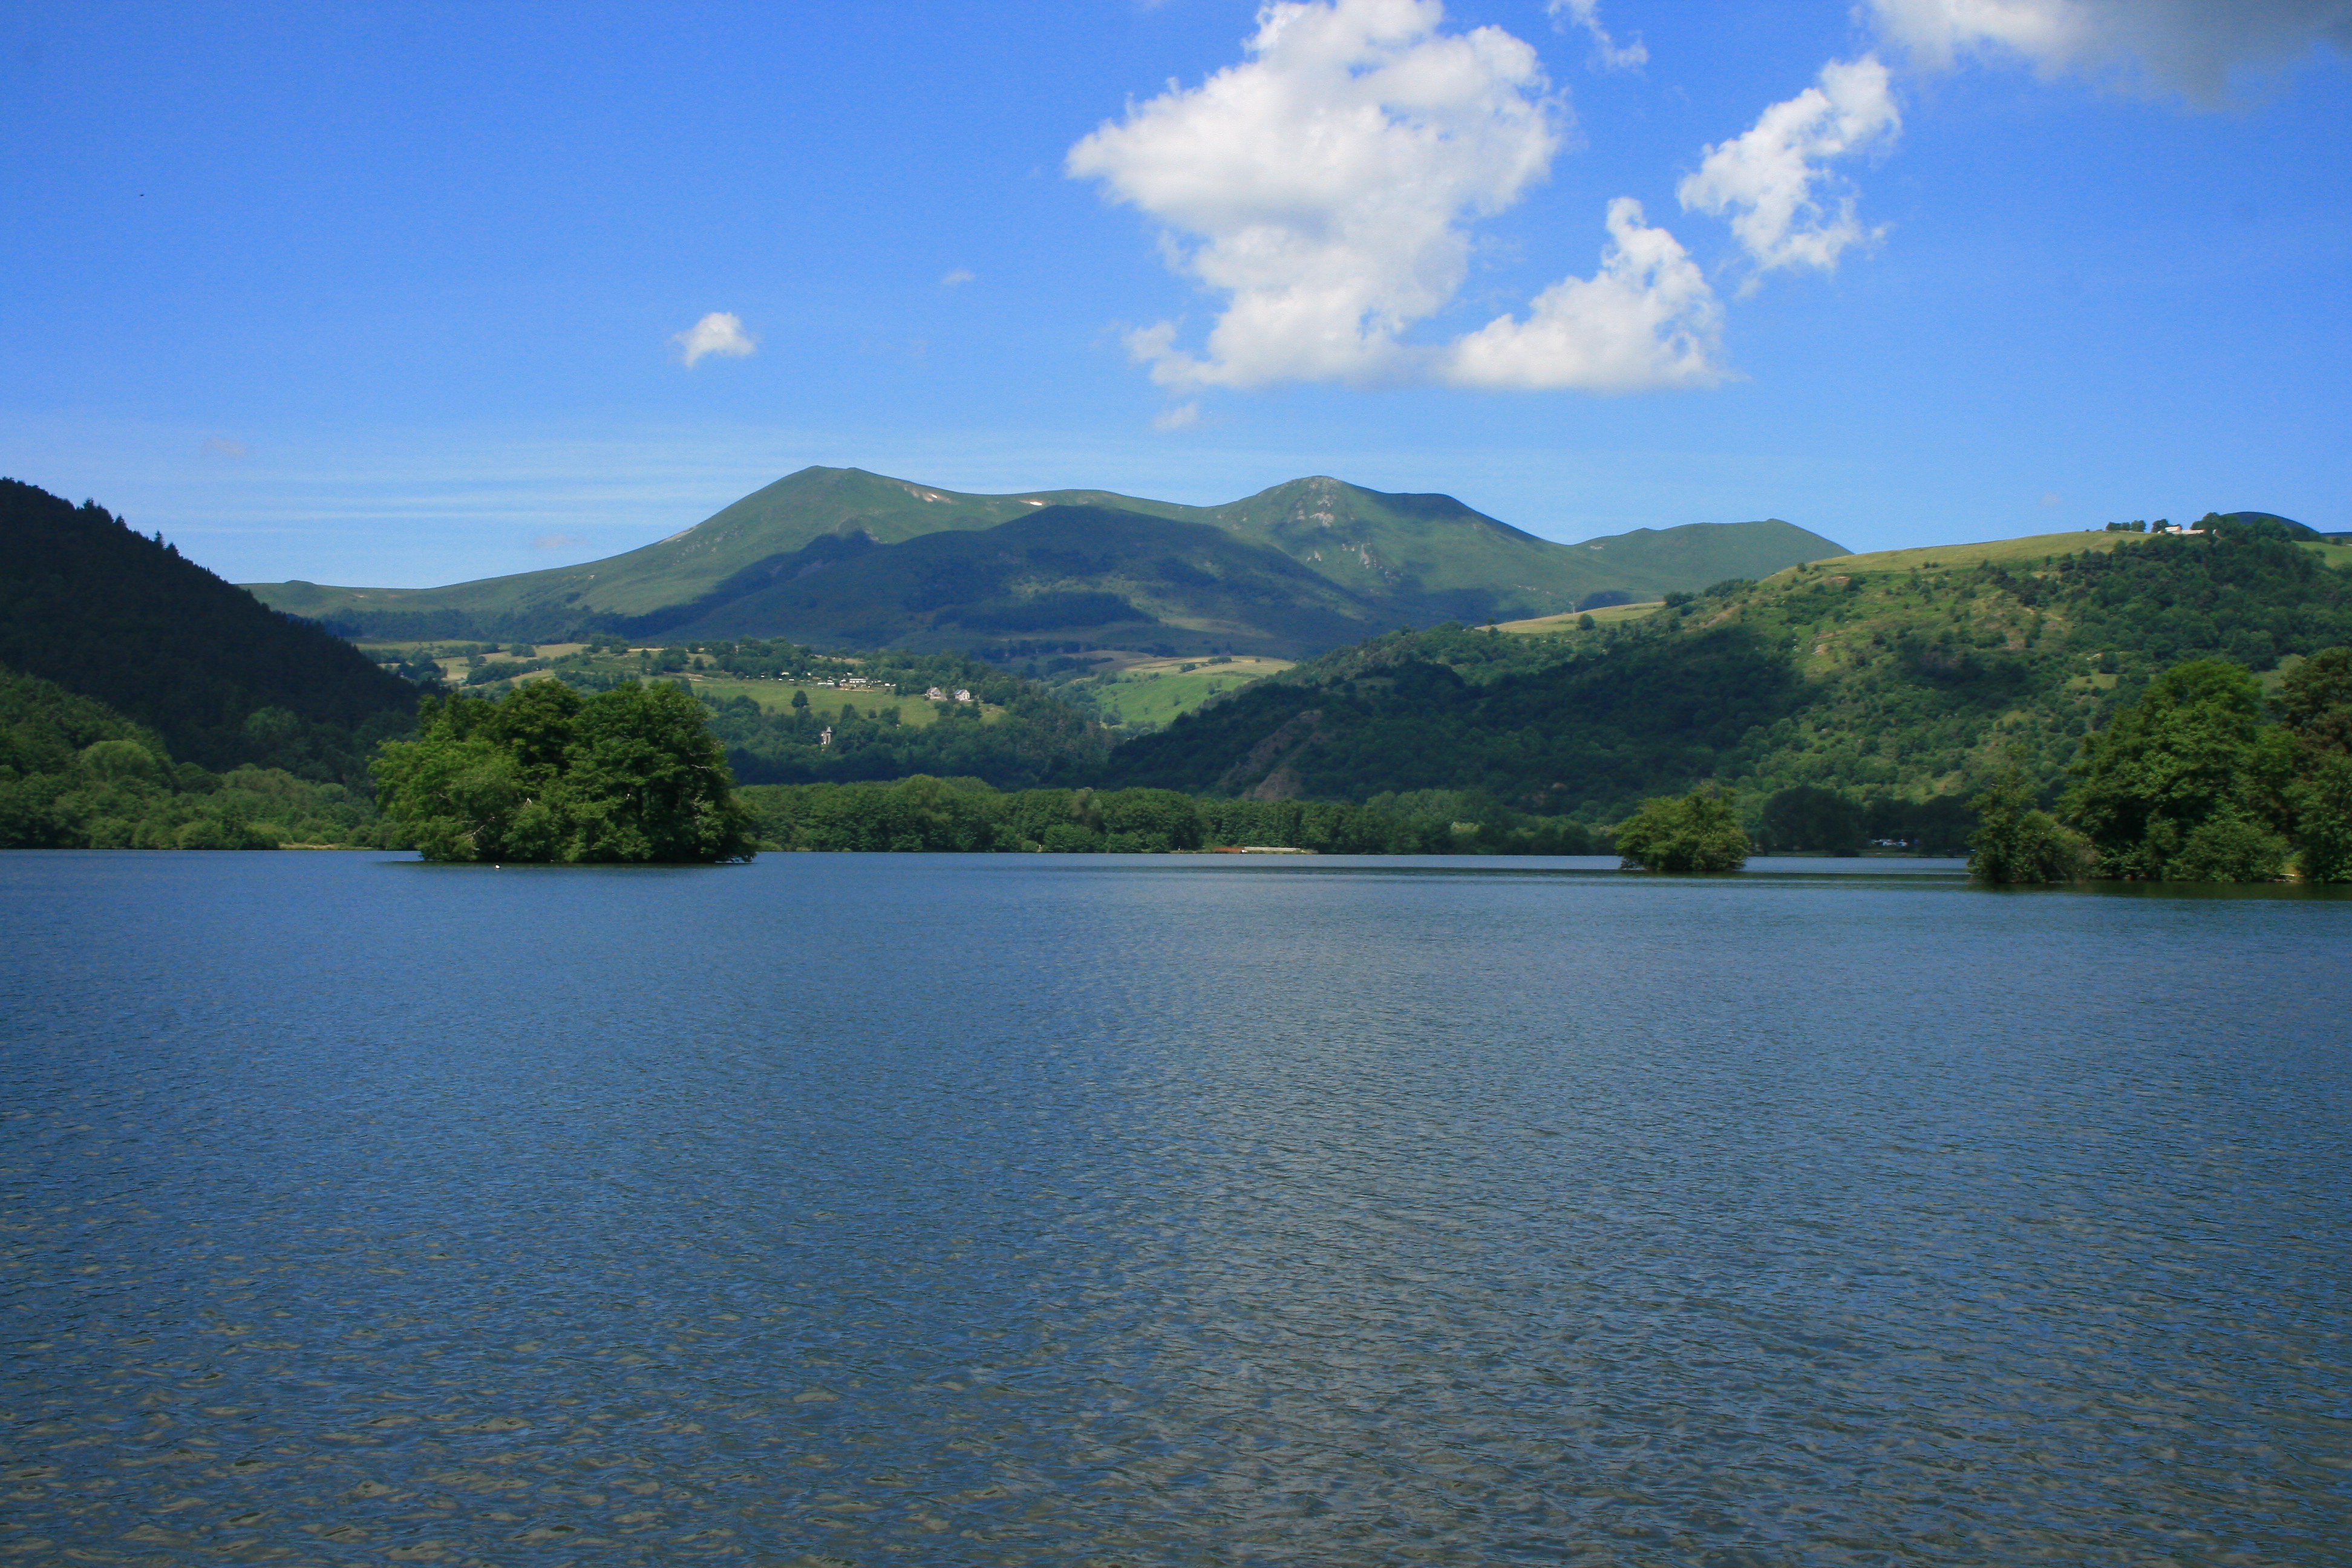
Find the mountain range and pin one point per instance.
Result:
(845, 558)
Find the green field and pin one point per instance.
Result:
(1156, 692)
(2030, 550)
(1611, 614)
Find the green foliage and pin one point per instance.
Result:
(1908, 690)
(543, 775)
(1030, 738)
(76, 774)
(221, 679)
(2315, 701)
(1806, 816)
(2017, 841)
(2180, 758)
(2188, 784)
(2229, 847)
(2322, 805)
(966, 815)
(1552, 729)
(1681, 836)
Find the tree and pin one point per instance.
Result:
(2323, 821)
(2315, 704)
(1698, 832)
(2189, 752)
(543, 775)
(2015, 841)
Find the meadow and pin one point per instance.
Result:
(1155, 692)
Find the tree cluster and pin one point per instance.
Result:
(544, 775)
(76, 774)
(1691, 835)
(2197, 780)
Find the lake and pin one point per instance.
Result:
(1185, 1210)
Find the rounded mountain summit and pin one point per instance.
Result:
(844, 558)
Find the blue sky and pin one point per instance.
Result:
(362, 297)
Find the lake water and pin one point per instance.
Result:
(1094, 1211)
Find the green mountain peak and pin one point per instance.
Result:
(1414, 558)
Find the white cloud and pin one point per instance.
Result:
(1785, 207)
(1324, 185)
(223, 447)
(1183, 416)
(1646, 319)
(2189, 47)
(960, 277)
(1324, 182)
(1586, 14)
(556, 541)
(716, 334)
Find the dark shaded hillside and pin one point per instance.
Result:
(1419, 712)
(1881, 685)
(1088, 572)
(102, 611)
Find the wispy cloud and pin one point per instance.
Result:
(2188, 47)
(1787, 209)
(1607, 52)
(1324, 186)
(556, 541)
(720, 333)
(960, 277)
(222, 447)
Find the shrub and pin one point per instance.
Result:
(1684, 834)
(2016, 842)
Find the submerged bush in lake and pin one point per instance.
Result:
(1684, 834)
(544, 775)
(2016, 841)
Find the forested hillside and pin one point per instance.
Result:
(222, 678)
(76, 774)
(1894, 682)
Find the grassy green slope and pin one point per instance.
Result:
(1426, 555)
(1861, 675)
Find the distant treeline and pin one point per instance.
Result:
(966, 815)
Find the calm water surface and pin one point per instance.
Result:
(1093, 1211)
